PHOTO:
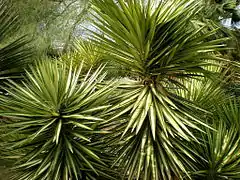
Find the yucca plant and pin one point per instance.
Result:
(220, 149)
(157, 42)
(218, 153)
(51, 120)
(14, 53)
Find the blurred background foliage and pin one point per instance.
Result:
(51, 24)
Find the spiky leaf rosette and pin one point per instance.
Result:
(151, 132)
(53, 115)
(157, 42)
(220, 149)
(154, 38)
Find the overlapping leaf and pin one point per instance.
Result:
(150, 132)
(54, 114)
(158, 43)
(154, 38)
(14, 54)
(220, 149)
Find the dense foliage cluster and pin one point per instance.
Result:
(148, 92)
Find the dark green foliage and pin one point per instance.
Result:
(14, 54)
(220, 149)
